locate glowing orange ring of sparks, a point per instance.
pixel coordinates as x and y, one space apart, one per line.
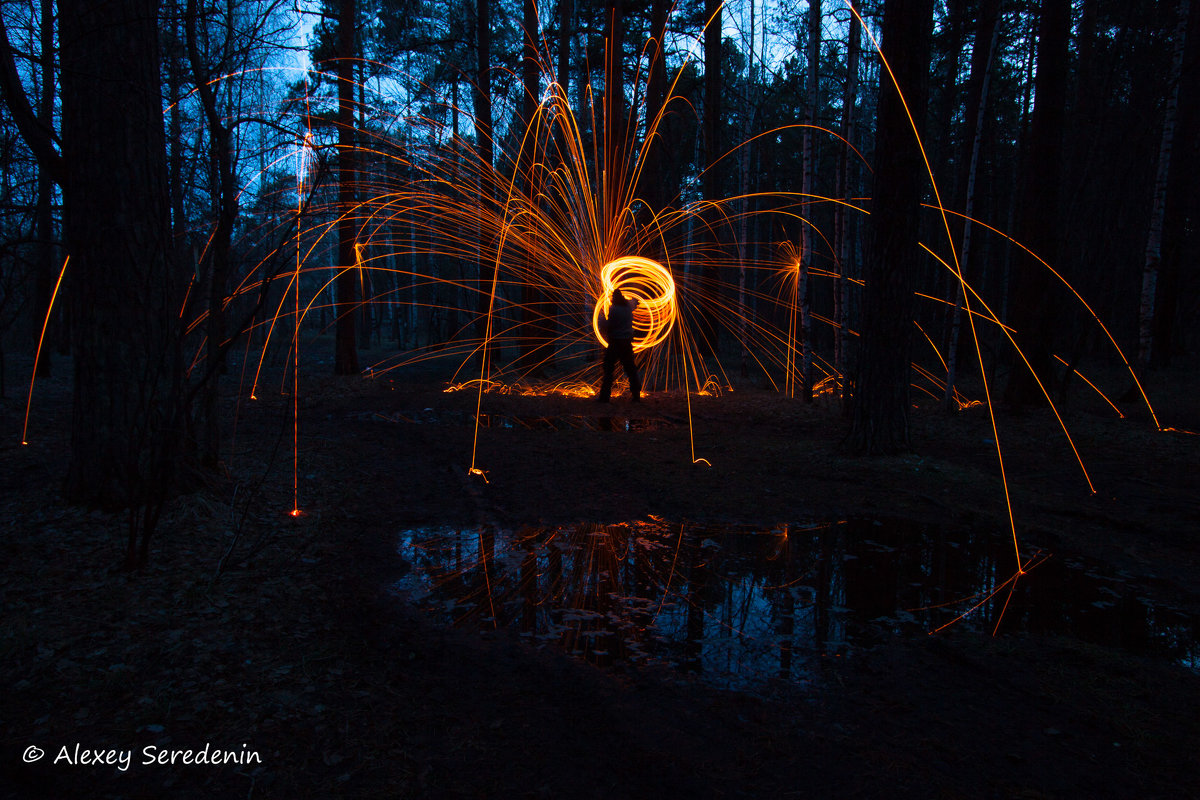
651 283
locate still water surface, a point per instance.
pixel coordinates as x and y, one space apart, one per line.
740 605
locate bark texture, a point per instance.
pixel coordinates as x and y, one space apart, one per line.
123 299
1031 288
881 402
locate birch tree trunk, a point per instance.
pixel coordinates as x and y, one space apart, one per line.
485 149
346 346
981 75
843 228
614 118
1158 211
806 237
532 298
709 337
745 165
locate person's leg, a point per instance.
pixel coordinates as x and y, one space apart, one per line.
610 363
629 364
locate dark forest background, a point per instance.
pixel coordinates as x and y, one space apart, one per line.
160 146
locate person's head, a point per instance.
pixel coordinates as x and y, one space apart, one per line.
618 298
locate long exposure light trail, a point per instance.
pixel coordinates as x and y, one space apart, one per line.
1049 401
646 281
500 270
1095 317
957 271
300 174
37 355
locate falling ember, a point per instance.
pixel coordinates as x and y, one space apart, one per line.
652 285
38 353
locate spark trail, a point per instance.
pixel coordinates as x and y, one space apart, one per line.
508 265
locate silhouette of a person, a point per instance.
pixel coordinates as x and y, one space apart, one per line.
618 329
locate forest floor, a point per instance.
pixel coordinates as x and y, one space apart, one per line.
279 637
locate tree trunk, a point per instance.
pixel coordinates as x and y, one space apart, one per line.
369 308
44 213
708 339
809 161
533 298
126 415
565 15
847 181
1028 59
654 189
174 70
1030 291
614 122
221 156
1154 239
977 95
1180 235
745 165
881 398
346 345
485 148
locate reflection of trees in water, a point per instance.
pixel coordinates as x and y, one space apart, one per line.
718 601
737 605
707 600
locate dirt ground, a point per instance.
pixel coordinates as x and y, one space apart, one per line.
260 634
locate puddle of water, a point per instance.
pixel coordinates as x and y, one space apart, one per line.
569 422
740 606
